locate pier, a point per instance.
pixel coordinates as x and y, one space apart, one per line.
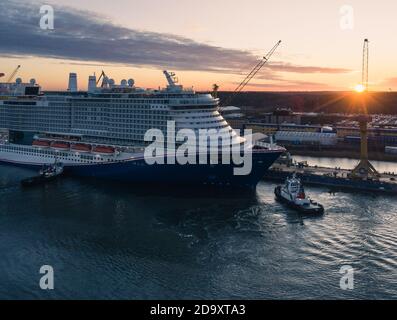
335 178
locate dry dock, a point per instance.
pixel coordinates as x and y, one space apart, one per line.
334 178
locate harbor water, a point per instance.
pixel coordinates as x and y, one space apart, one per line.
111 241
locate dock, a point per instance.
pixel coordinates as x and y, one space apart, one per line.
335 178
364 177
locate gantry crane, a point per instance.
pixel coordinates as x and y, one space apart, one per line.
252 74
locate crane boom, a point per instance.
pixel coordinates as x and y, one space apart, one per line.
364 80
253 73
102 76
13 74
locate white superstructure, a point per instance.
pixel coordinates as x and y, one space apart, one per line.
104 124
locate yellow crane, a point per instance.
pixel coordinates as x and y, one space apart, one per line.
364 170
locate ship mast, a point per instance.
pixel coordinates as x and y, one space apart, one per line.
171 78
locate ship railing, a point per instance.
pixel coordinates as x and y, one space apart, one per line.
189 101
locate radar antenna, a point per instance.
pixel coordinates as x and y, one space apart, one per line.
171 78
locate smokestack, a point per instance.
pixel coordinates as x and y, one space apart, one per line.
72 82
91 83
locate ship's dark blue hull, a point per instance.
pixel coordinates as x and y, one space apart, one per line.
139 172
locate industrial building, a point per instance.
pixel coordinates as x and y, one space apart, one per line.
306 138
297 134
391 150
282 115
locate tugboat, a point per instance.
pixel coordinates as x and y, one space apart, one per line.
293 194
47 173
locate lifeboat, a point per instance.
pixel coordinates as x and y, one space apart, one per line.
80 147
104 150
41 143
60 145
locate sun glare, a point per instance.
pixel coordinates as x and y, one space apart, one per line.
359 88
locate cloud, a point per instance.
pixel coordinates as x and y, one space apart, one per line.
83 36
288 67
390 82
291 86
86 37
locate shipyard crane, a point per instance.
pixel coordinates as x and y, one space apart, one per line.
253 73
102 76
364 169
13 74
364 81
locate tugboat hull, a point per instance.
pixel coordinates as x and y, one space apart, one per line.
318 209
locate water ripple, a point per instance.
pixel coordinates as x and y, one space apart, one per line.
106 241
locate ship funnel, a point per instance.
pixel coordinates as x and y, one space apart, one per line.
72 82
91 84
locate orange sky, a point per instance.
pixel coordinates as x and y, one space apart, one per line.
316 53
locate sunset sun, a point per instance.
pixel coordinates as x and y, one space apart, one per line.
359 88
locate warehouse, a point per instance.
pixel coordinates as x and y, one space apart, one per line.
306 138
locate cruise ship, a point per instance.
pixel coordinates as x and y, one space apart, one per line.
101 132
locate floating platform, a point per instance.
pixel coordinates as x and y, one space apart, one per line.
333 178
